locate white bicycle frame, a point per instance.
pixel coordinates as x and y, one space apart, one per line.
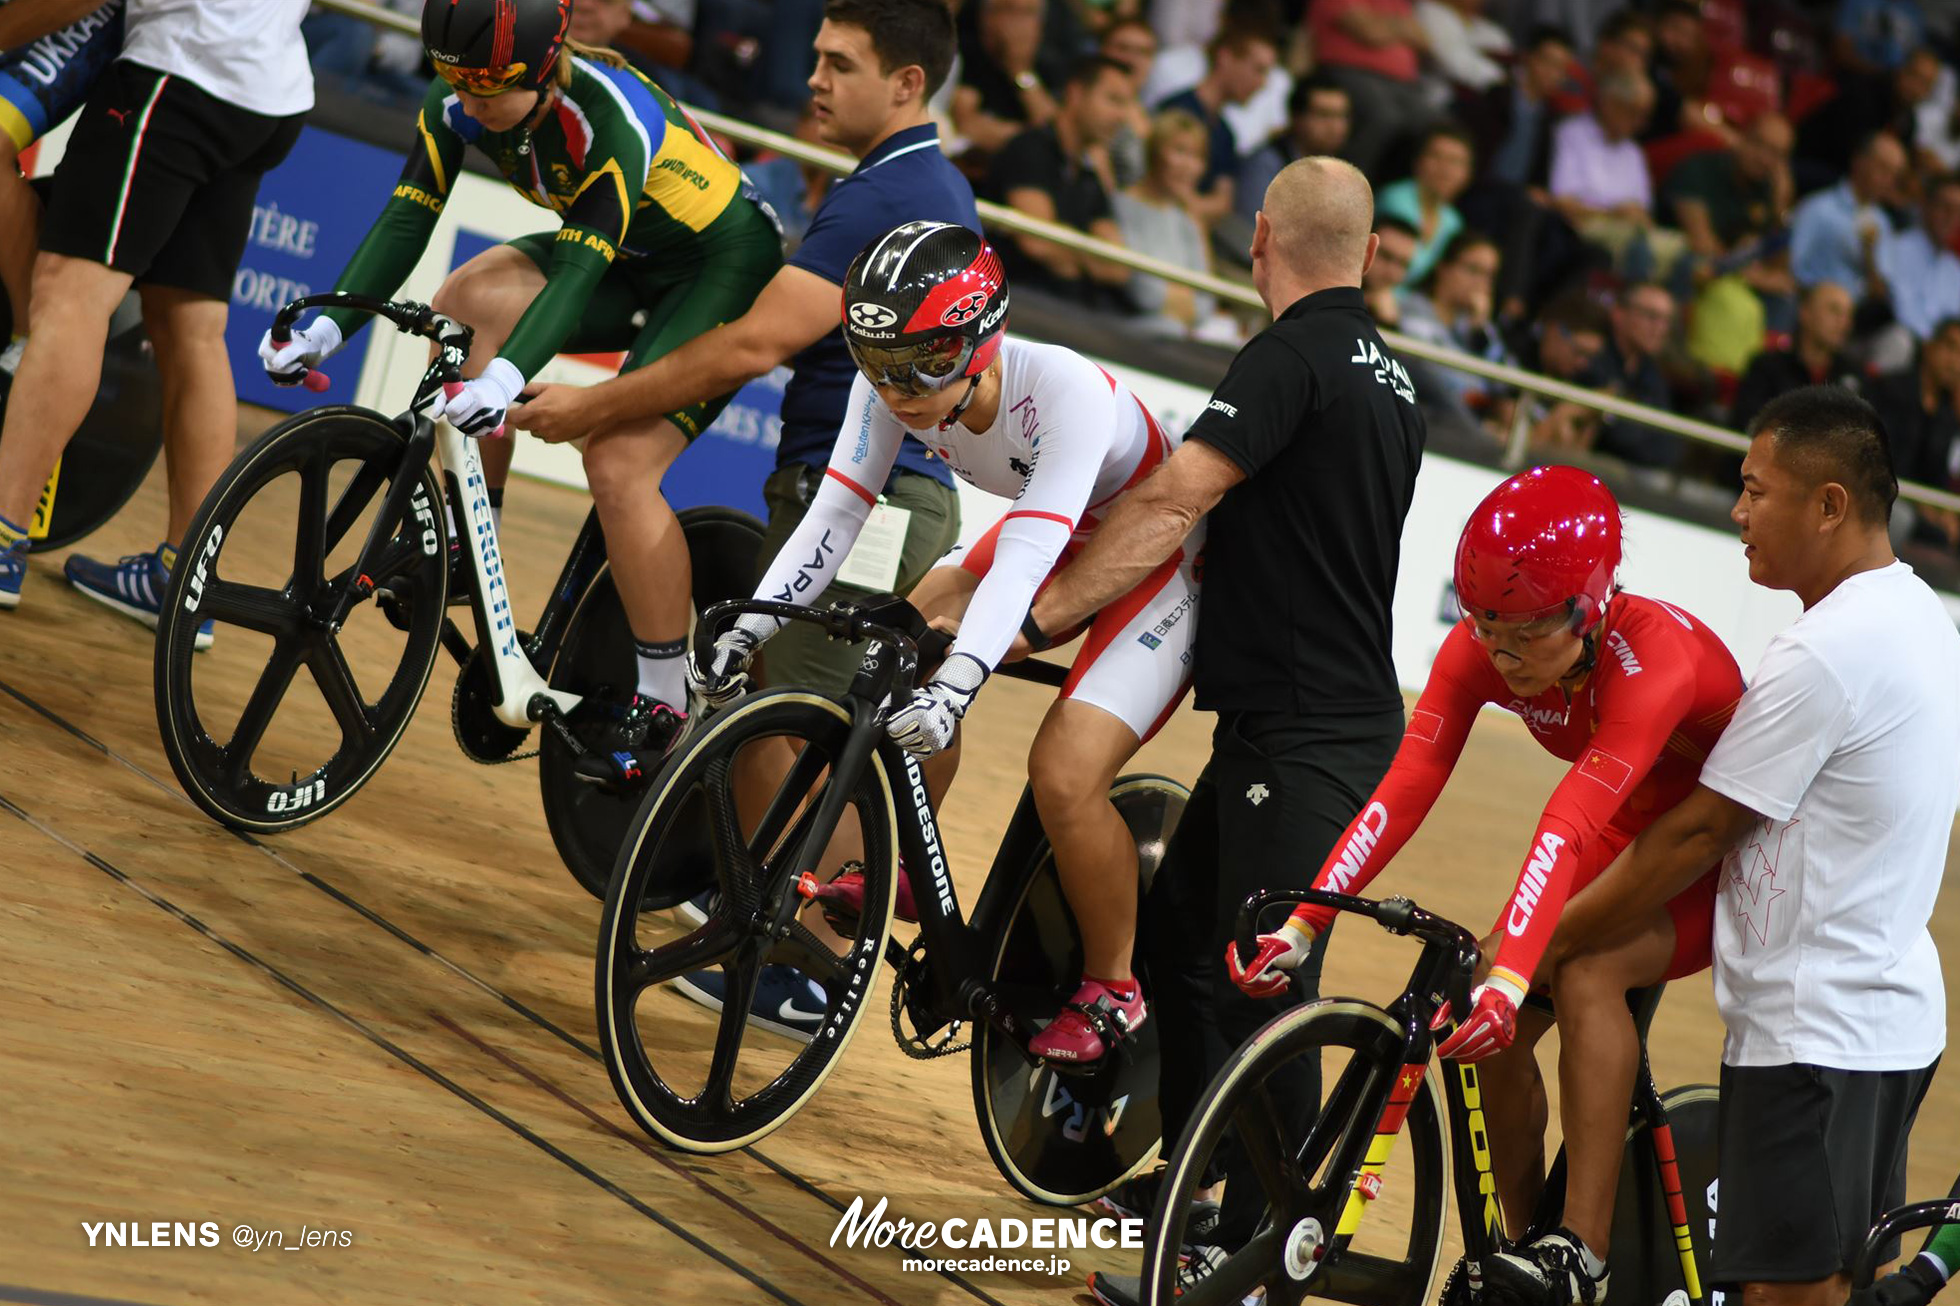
518 683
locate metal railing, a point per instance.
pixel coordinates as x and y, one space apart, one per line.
1006 219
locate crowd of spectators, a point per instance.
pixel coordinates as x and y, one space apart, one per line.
1689 203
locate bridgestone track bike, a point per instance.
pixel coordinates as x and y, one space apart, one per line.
115 446
1321 1177
709 1084
366 581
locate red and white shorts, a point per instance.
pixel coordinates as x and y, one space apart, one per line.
1135 662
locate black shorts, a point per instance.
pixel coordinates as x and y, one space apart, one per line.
159 178
1810 1157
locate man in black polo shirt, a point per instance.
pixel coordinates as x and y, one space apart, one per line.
1306 459
1052 173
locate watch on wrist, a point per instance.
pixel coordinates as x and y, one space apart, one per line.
1027 81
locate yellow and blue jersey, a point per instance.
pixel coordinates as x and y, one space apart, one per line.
44 81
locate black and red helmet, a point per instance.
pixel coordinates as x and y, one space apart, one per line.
925 305
487 47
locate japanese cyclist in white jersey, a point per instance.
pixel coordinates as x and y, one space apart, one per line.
925 312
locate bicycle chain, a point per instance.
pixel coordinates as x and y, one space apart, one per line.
456 732
911 1045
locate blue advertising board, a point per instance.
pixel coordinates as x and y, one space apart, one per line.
311 213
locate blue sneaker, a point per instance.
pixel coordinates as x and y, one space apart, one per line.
786 1002
13 571
132 586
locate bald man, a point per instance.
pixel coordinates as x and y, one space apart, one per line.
1306 461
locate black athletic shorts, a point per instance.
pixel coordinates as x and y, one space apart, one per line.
1810 1157
159 178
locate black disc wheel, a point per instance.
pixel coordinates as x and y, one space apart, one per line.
116 444
289 713
596 661
1338 1212
1647 1256
1062 1138
686 1059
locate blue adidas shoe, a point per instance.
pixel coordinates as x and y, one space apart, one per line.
786 1001
13 572
133 586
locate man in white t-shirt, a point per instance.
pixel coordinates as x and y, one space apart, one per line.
1830 798
155 190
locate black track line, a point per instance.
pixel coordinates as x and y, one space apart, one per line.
543 1022
409 1059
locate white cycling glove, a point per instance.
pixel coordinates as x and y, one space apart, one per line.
289 363
1265 976
726 676
478 407
925 725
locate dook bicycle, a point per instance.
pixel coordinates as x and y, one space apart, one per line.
1335 1225
359 601
706 1084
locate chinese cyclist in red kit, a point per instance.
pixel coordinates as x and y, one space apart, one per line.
1633 693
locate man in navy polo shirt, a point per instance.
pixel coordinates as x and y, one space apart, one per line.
878 63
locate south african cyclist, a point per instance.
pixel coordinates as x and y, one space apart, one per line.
660 239
924 315
1633 693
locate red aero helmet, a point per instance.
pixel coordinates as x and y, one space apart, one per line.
1544 539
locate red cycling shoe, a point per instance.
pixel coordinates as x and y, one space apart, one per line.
843 898
1092 1022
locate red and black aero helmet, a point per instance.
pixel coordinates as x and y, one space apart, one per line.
925 305
1546 541
490 46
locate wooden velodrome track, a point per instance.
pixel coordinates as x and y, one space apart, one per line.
382 1023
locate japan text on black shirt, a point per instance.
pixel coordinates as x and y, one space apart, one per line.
1301 556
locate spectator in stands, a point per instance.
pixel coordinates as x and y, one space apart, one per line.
1642 319
1726 202
792 189
1510 127
1382 283
366 60
776 37
1863 106
1000 93
1467 51
1427 200
1319 118
1682 65
1922 277
1566 344
1599 179
1453 307
1374 48
1920 411
1050 172
1236 64
1132 43
1626 44
1156 218
1835 233
1876 36
1815 357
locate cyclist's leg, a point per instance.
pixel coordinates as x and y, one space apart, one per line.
1516 1111
489 293
20 230
59 373
1599 1059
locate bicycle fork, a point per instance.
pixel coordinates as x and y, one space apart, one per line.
1368 1179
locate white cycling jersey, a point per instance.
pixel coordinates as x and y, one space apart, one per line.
1067 440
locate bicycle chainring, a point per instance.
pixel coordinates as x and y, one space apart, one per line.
473 718
905 981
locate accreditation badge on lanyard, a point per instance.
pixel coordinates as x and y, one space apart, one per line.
874 560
